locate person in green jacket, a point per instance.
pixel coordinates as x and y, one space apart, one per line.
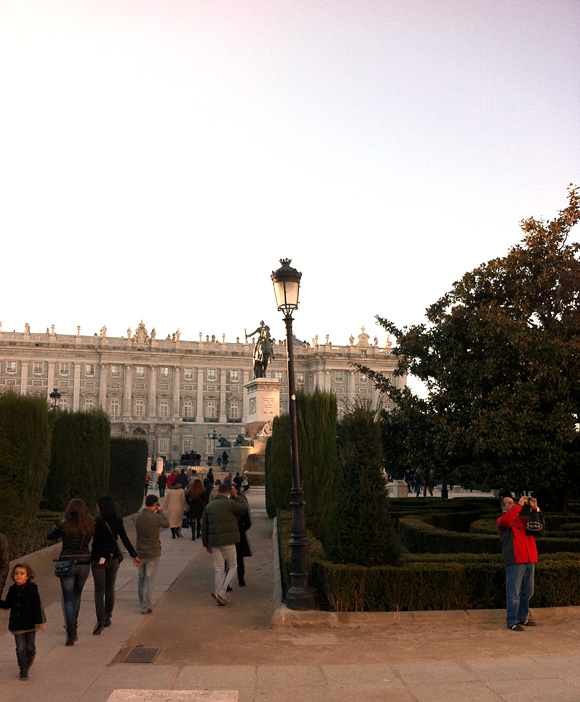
148 547
220 534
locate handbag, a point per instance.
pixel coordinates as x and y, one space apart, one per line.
119 557
185 521
65 569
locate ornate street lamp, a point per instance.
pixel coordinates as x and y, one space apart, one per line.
301 595
54 399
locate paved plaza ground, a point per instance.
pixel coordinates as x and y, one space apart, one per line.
406 657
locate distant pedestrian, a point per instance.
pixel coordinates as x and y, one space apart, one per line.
76 531
183 478
195 498
171 477
106 558
26 615
148 524
210 476
220 533
243 549
162 483
238 482
147 481
176 507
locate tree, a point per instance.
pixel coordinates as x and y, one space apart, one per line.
127 474
361 529
500 357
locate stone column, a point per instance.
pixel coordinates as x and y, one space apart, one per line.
23 377
175 399
152 399
77 388
352 385
127 393
223 413
245 400
50 380
103 386
199 408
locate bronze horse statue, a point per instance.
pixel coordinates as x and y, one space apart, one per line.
263 350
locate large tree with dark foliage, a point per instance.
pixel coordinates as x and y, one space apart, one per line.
500 357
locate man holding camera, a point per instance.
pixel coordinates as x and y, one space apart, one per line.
519 556
148 524
220 534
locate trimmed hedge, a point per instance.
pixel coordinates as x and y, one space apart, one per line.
80 458
25 435
421 537
430 582
127 476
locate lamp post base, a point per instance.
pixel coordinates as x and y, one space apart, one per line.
302 598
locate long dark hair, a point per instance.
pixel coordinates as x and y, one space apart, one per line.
107 508
196 489
77 518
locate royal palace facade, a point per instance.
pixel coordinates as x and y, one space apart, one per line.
179 395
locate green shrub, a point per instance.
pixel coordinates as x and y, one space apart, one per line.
25 435
361 530
278 465
127 475
80 458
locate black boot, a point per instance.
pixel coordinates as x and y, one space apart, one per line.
71 636
198 530
173 532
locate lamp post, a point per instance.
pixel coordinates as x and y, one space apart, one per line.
301 595
213 438
54 399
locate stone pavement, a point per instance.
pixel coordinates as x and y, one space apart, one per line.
232 652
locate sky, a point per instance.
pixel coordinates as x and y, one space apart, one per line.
157 159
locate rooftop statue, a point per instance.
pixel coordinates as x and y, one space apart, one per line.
263 350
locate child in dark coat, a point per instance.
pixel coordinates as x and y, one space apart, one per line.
26 615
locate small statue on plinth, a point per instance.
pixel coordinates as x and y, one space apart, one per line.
263 350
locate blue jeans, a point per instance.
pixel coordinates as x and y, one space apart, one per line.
146 576
25 649
72 588
519 589
105 576
225 565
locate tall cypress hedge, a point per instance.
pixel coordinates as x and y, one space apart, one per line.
362 531
127 478
24 459
80 458
316 419
317 415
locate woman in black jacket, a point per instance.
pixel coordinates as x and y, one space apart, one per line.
76 531
106 558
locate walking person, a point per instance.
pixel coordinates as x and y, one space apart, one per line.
148 524
162 483
76 531
195 498
220 533
26 615
520 556
106 558
175 506
243 549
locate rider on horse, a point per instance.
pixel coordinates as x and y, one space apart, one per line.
263 350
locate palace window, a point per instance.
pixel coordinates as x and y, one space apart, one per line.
64 368
115 370
234 409
139 407
164 372
338 376
163 445
188 408
187 445
188 373
89 369
279 376
234 375
64 403
211 374
11 366
299 377
37 368
140 371
89 404
114 407
363 379
164 408
211 409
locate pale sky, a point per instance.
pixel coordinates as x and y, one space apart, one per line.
158 158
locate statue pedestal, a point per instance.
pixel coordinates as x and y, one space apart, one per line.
263 403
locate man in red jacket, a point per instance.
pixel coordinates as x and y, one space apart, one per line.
519 556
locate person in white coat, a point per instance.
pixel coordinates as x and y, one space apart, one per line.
174 507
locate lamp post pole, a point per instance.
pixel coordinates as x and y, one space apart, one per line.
301 595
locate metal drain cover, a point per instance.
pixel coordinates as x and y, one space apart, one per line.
139 654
